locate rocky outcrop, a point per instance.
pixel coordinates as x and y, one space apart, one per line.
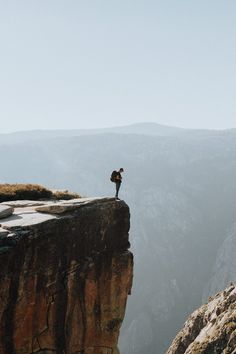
65 273
210 329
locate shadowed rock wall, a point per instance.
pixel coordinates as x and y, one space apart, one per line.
64 280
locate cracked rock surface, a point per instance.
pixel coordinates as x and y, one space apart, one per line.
65 274
211 329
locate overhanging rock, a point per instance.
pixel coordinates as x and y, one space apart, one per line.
64 277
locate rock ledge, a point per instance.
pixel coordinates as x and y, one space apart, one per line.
65 274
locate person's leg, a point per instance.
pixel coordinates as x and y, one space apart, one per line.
117 188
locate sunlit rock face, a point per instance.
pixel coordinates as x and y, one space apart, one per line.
65 274
211 329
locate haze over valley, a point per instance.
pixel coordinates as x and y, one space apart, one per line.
180 187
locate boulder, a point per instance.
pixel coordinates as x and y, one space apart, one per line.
5 211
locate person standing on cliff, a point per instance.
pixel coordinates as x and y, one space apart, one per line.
117 179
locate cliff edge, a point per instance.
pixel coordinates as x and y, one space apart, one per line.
65 274
211 329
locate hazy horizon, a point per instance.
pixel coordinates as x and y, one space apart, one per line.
82 65
111 127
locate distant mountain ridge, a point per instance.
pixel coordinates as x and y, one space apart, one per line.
139 128
149 129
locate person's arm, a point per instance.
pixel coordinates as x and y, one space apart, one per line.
118 177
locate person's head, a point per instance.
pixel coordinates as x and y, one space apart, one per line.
121 170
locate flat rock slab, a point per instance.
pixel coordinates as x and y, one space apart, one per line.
56 208
25 217
69 205
23 203
5 211
27 213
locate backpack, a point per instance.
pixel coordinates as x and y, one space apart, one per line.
113 176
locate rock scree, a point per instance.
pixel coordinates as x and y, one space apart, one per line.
65 275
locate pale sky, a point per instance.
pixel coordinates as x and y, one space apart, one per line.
100 63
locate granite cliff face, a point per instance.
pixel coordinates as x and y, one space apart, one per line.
211 329
65 273
223 270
